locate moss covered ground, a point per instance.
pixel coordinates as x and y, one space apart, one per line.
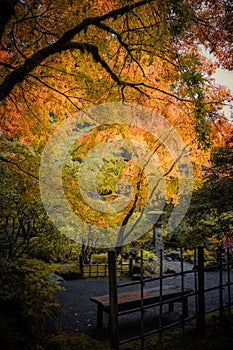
216 337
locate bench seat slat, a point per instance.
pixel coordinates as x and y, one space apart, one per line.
150 295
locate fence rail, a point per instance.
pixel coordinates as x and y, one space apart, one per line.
91 270
199 296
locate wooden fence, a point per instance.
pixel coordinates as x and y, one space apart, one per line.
199 296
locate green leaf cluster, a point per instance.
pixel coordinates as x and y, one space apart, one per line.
192 82
109 174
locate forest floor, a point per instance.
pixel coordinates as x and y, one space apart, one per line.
216 336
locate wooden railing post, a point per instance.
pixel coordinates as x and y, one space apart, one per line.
81 265
221 309
201 291
113 300
130 267
229 282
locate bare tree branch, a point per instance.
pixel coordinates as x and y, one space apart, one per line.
56 90
122 43
136 86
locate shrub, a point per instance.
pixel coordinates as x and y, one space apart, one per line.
67 271
51 248
149 256
100 258
210 257
27 292
188 255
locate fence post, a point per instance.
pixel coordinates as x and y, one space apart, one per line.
113 316
220 284
201 291
122 264
229 282
142 298
81 265
130 267
105 269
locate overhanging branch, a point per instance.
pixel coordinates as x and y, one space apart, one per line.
19 74
94 51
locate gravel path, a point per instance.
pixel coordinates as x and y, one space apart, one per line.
79 313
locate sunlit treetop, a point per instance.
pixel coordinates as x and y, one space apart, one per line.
57 57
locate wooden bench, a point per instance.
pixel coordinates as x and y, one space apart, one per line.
151 296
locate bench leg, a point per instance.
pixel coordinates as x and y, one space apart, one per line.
99 316
171 306
185 307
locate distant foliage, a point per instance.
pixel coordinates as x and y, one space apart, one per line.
210 216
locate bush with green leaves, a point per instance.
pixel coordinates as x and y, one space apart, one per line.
210 214
27 293
100 258
53 247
